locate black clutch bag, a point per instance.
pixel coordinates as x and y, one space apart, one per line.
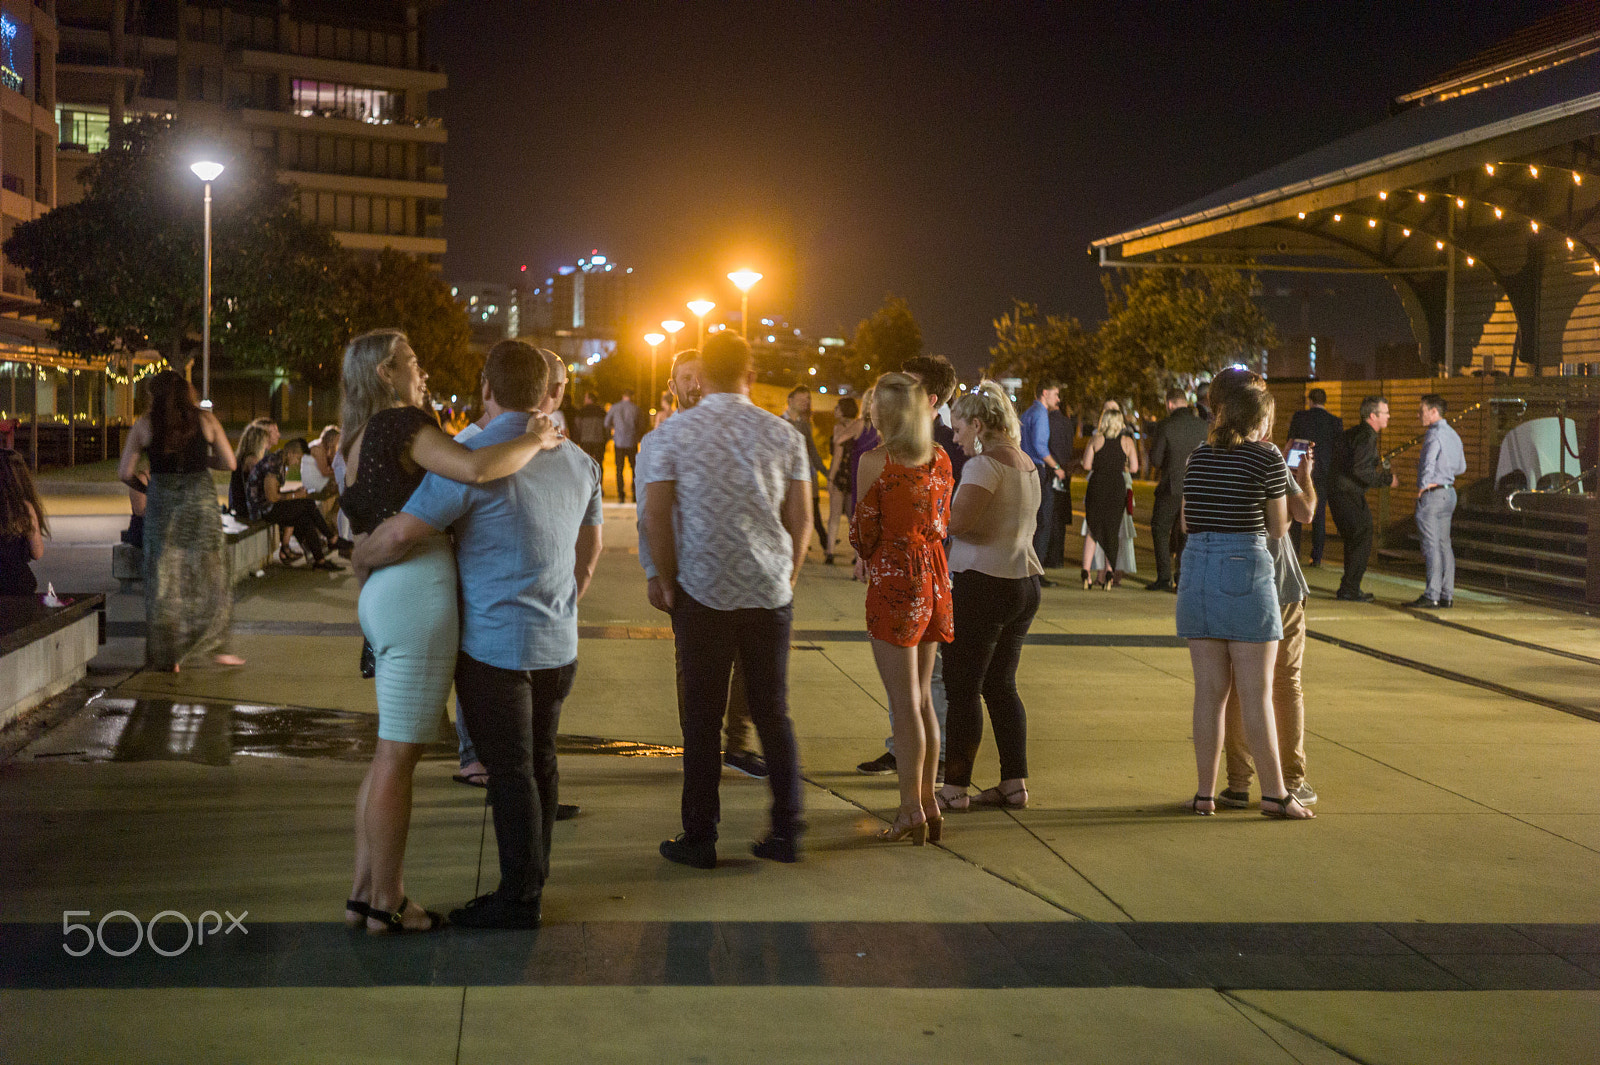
369 661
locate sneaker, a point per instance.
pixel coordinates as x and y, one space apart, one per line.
1305 793
749 763
697 854
880 765
492 911
776 848
1239 800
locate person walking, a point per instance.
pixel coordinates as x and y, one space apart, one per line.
1233 503
1360 469
847 426
1326 432
1172 441
1035 427
1063 448
23 525
625 422
1109 455
188 599
527 546
737 754
1442 460
798 414
996 595
589 428
728 524
902 517
407 606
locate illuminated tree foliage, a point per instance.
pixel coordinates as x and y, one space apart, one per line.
397 290
1055 349
883 342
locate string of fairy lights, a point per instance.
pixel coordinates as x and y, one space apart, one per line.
112 377
1466 203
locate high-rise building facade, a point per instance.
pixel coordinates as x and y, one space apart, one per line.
333 97
27 165
583 311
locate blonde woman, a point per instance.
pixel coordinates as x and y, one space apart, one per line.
902 517
407 610
996 575
1109 455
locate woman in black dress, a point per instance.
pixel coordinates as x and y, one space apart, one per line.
1109 455
23 526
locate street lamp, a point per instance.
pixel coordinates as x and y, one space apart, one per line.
672 326
700 308
654 340
744 281
206 172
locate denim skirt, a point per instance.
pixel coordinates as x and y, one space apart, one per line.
1226 589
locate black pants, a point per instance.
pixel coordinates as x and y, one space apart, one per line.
512 716
626 456
1164 534
1354 518
1060 521
707 641
305 518
1319 526
992 619
1046 517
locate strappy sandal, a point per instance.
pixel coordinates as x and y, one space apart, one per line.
1009 799
288 555
1193 805
952 802
394 923
361 910
1282 811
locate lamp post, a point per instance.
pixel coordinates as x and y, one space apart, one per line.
700 308
744 281
206 172
654 340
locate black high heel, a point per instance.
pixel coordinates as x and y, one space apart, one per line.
1088 582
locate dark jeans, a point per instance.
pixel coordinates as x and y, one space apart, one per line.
1354 518
1060 522
512 716
1046 516
626 456
737 730
305 518
707 641
992 618
1164 533
1319 526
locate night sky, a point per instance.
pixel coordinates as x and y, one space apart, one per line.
954 154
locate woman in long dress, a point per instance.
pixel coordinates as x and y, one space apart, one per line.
188 597
1109 454
407 610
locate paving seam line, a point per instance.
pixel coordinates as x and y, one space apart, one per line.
1487 635
1232 997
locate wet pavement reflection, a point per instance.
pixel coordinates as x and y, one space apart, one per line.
156 730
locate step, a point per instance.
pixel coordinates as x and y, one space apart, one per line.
1476 565
1462 544
1577 524
1578 539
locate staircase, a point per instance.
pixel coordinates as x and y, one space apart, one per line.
1541 550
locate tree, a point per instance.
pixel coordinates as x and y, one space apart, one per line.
883 342
1169 326
393 289
121 269
1057 349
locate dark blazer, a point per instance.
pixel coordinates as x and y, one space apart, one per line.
945 437
1171 443
1360 469
1063 435
1324 429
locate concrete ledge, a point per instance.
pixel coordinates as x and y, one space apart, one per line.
245 552
44 650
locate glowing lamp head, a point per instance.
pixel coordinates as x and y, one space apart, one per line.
701 308
744 280
672 325
207 171
654 338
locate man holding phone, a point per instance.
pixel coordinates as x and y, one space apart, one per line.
1325 431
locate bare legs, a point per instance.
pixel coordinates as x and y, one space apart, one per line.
1088 555
907 674
835 514
383 820
1246 667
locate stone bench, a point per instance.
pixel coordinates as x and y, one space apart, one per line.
246 551
44 650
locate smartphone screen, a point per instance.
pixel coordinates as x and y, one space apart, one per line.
1297 453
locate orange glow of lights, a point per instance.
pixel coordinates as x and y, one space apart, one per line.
1372 223
1439 244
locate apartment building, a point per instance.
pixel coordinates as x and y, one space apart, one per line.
27 164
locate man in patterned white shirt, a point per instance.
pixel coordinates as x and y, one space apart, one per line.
728 516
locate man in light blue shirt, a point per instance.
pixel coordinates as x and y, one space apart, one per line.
1442 460
526 548
1036 445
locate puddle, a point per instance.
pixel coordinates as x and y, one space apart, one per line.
163 730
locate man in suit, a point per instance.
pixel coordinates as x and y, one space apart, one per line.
1063 438
1359 470
1036 445
1171 443
1324 429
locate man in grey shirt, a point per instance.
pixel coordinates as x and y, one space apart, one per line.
1442 460
625 423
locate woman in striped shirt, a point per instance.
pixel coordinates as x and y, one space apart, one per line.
1234 498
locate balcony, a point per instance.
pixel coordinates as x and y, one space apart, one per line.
342 70
424 130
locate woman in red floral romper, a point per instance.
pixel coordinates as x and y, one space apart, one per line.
902 512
